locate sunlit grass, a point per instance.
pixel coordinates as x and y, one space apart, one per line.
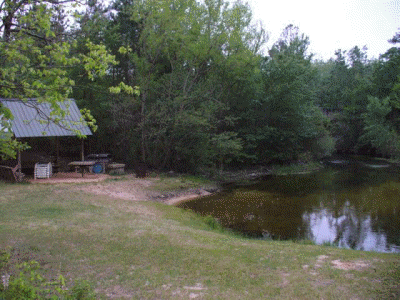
147 250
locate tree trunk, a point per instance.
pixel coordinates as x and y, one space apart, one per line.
143 117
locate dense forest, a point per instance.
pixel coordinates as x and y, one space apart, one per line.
186 85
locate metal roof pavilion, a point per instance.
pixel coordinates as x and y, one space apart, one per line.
31 119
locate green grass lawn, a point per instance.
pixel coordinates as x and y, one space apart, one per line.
147 250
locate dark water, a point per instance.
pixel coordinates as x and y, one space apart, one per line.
352 204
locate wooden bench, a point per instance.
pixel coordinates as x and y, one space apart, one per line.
82 166
116 169
10 174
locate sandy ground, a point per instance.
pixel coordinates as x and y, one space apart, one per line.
136 189
70 177
182 198
131 188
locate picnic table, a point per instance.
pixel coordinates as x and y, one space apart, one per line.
82 165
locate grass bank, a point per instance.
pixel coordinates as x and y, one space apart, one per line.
148 250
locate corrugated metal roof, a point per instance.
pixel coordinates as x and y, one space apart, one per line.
30 119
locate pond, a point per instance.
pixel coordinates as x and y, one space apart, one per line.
351 204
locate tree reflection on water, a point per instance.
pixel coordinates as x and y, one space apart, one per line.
354 207
350 230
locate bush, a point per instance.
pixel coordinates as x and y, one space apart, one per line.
323 146
30 285
212 223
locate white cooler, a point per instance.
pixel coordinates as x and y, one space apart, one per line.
43 170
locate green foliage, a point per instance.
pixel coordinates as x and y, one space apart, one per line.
212 223
381 124
82 290
285 121
344 85
122 87
8 145
386 76
4 257
323 146
29 284
36 59
225 146
190 60
378 130
89 119
207 96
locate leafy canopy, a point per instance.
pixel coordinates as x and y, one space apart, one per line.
36 58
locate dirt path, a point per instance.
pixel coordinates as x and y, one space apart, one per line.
135 189
70 177
127 187
132 189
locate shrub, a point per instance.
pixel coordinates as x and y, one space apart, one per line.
30 285
212 223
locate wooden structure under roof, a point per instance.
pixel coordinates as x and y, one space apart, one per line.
33 119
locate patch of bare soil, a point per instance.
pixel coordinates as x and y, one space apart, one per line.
321 259
192 292
136 189
186 196
285 281
69 177
118 292
346 265
133 189
337 264
127 187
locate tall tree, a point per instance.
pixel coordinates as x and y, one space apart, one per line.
286 121
343 95
189 60
381 118
36 57
379 131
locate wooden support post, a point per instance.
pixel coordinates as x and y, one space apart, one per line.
19 166
57 151
82 150
19 160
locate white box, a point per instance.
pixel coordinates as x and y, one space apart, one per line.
43 170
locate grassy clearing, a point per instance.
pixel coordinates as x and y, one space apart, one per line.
148 250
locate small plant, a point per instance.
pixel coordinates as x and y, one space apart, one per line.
330 244
4 258
153 175
82 290
212 223
30 285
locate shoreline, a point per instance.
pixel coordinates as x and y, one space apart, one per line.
180 197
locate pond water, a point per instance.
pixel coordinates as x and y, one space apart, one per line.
351 204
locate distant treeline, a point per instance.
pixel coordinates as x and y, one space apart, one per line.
209 97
